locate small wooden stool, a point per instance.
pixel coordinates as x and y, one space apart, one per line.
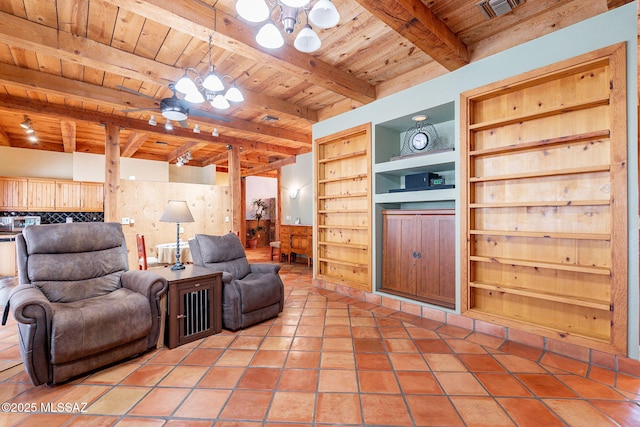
275 249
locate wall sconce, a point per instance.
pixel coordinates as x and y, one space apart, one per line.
293 193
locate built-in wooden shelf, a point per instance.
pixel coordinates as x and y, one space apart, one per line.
557 203
540 174
541 113
543 234
343 178
343 157
547 296
548 265
563 140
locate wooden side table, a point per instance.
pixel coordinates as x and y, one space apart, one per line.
195 303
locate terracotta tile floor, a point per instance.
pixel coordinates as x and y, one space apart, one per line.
331 360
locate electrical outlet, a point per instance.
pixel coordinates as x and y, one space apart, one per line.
125 221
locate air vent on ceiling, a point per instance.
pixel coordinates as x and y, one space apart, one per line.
492 8
270 118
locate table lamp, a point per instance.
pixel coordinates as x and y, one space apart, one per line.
177 211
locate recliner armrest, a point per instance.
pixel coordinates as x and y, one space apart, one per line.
227 277
23 299
264 268
145 282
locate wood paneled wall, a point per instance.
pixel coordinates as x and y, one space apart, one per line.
145 201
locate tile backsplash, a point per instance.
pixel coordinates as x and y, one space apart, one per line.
60 217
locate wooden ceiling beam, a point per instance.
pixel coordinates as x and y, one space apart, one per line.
5 141
200 21
80 91
12 103
68 130
89 53
135 141
269 166
417 23
222 157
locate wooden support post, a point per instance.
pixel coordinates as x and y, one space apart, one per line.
278 218
112 172
237 221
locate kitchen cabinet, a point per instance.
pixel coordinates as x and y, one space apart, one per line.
418 255
67 196
41 194
13 194
343 214
91 196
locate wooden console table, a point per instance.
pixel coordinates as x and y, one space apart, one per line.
296 239
195 303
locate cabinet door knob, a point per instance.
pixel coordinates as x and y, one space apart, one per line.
417 255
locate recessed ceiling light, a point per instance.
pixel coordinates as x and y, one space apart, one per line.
419 118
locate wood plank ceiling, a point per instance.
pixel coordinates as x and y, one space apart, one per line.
73 66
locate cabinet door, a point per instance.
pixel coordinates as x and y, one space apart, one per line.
41 194
92 197
399 253
13 194
436 272
67 196
301 240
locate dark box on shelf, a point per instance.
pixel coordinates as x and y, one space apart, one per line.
419 181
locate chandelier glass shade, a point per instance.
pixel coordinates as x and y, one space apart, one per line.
210 87
323 14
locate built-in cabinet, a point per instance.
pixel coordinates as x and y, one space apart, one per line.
415 225
343 208
544 162
418 255
49 195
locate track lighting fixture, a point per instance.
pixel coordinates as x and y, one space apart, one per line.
196 128
323 14
26 124
215 132
168 125
152 121
28 129
184 159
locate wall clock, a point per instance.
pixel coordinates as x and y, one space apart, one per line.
420 138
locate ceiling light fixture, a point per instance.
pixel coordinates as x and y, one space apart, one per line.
323 14
209 87
168 125
184 159
196 128
215 132
26 124
152 121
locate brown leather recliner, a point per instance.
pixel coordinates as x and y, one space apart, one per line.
78 307
251 293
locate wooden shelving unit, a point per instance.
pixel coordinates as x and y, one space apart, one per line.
544 189
343 208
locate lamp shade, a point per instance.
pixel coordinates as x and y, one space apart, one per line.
220 102
234 94
307 40
269 36
295 3
324 14
177 211
253 10
186 85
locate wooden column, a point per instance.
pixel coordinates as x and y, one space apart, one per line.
278 218
237 221
112 172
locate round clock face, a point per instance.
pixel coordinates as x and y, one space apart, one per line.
420 140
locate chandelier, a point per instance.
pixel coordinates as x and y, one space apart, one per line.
323 14
209 87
